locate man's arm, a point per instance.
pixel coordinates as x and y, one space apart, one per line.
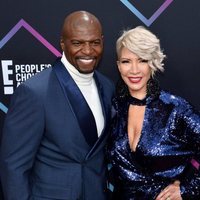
21 137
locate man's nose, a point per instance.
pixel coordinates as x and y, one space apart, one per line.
87 48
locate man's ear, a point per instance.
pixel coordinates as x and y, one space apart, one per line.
62 43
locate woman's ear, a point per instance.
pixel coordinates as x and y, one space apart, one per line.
118 64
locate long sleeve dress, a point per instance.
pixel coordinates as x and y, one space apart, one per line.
170 139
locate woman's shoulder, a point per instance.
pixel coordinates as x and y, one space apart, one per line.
177 101
169 97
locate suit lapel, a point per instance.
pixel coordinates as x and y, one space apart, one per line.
102 139
102 99
79 105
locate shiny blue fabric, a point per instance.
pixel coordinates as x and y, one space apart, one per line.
170 137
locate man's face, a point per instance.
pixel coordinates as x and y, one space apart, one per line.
83 46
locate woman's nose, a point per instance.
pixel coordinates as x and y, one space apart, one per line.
134 68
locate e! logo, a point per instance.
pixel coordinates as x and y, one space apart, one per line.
8 84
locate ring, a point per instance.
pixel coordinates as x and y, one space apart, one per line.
168 198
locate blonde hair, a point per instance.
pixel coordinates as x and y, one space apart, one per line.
144 44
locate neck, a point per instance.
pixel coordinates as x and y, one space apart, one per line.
138 95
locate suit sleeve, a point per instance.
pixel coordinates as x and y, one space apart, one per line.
190 187
23 129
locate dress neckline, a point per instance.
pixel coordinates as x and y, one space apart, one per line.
138 102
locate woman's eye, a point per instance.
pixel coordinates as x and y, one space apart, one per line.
142 60
125 61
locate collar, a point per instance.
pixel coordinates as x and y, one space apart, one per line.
79 78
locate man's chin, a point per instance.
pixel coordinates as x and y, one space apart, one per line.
86 71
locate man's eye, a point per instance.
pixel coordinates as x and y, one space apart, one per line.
96 43
77 44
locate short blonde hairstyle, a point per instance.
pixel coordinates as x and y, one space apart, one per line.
144 44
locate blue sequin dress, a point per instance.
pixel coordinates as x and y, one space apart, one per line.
170 138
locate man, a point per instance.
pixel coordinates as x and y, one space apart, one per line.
57 124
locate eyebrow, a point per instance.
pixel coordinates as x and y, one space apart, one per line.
81 40
125 58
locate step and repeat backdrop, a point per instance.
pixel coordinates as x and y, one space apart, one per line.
30 33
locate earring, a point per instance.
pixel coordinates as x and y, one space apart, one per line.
153 88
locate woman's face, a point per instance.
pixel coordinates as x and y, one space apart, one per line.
135 72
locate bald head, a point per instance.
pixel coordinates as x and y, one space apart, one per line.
82 41
80 20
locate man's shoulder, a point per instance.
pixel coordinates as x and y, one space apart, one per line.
43 76
38 82
40 77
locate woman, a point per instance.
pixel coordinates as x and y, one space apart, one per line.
154 134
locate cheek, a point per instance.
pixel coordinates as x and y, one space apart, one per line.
147 71
123 71
98 51
120 68
125 79
123 74
71 52
149 74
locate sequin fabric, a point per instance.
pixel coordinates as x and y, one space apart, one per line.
170 138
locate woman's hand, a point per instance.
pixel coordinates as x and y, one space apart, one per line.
171 192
